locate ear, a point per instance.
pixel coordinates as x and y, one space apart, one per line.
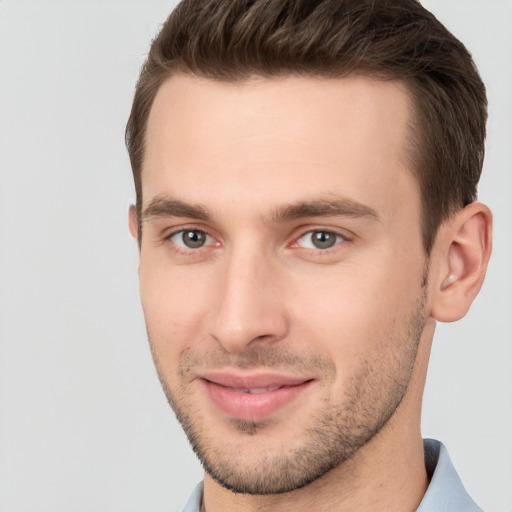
133 223
462 251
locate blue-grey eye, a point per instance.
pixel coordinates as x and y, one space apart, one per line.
190 239
319 240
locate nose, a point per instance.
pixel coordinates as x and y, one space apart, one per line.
251 304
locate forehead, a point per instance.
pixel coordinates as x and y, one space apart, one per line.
277 139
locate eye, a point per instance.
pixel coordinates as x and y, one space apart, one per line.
319 240
190 239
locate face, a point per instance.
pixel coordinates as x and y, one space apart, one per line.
282 270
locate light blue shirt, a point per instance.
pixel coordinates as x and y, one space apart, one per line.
444 494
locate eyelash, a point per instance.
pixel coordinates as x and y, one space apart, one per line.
339 238
183 250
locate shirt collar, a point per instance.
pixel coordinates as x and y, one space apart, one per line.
445 492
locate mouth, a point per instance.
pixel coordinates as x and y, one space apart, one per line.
256 391
253 397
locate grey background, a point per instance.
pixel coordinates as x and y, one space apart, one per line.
84 425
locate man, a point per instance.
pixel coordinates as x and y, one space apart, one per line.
306 180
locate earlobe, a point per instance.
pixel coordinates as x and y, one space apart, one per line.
463 250
133 223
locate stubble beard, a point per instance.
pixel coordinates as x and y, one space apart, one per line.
339 428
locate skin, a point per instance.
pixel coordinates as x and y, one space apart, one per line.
258 167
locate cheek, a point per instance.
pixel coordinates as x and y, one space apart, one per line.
343 323
174 303
352 314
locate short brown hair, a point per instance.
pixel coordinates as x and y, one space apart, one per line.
233 40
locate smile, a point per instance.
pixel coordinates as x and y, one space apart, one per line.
255 397
255 390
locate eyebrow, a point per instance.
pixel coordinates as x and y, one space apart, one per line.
339 206
168 207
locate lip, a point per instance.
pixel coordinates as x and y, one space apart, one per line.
253 397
